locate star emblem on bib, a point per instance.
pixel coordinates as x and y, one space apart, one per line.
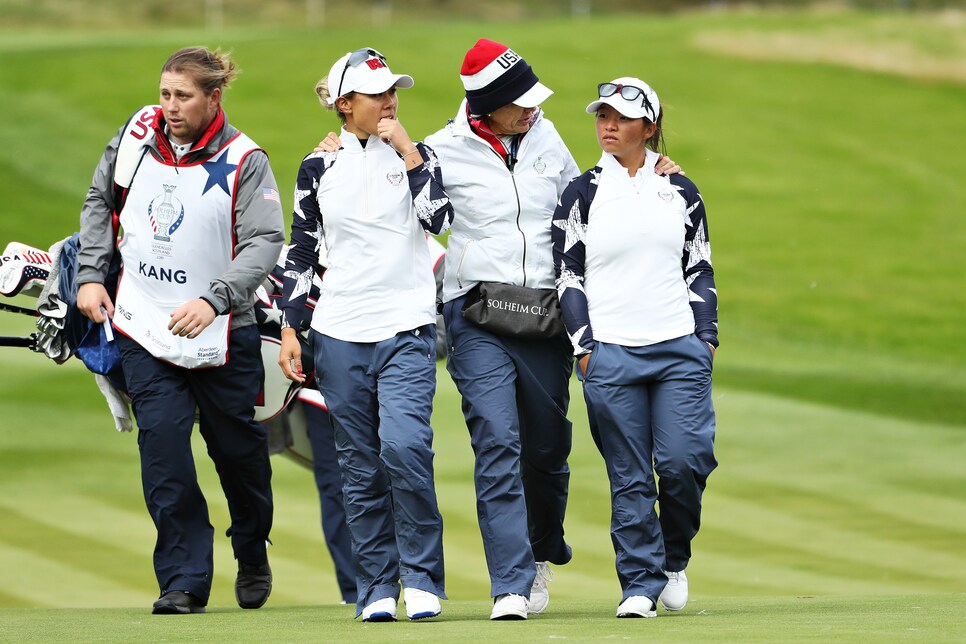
218 171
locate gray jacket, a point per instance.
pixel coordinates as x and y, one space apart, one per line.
259 225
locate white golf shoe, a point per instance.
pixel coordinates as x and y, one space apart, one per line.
637 606
381 610
421 604
509 606
539 592
675 594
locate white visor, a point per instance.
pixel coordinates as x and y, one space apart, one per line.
643 101
364 71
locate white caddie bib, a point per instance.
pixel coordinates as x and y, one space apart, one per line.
178 224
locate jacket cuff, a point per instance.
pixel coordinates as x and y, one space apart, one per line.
709 338
211 304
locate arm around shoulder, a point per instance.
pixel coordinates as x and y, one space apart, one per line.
568 233
433 206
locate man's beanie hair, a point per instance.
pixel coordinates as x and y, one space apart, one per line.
493 76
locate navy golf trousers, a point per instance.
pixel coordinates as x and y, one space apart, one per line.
652 404
515 397
165 398
380 398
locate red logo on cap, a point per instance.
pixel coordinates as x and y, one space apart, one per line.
375 63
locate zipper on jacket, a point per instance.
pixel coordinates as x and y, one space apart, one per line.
365 182
510 165
523 238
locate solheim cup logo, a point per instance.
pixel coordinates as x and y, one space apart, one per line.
167 215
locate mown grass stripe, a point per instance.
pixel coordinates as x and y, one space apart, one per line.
42 576
845 569
13 597
70 551
914 401
749 522
822 508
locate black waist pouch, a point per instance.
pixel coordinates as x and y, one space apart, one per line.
514 311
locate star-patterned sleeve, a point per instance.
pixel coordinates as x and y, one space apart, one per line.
433 207
303 253
568 233
696 262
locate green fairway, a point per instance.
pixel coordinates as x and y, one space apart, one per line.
833 175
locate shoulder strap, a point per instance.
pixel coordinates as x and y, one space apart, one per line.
130 152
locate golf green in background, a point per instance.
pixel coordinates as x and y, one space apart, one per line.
827 147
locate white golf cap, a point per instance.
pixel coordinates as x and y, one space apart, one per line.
364 71
643 101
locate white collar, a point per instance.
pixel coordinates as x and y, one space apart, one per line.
610 163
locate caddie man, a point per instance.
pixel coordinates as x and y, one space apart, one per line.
202 227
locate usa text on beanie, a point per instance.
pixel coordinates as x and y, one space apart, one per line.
494 75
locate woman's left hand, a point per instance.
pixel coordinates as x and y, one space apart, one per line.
710 346
666 165
330 143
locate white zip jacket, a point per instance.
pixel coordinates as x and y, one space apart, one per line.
633 258
371 213
501 224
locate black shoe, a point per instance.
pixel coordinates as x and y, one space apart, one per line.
253 585
178 602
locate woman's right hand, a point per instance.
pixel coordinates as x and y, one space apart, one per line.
290 356
330 143
392 132
582 362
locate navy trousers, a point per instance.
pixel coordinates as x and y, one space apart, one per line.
515 397
165 398
649 405
328 480
380 397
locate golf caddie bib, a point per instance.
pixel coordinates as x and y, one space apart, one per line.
178 223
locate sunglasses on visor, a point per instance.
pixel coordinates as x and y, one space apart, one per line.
628 93
356 57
